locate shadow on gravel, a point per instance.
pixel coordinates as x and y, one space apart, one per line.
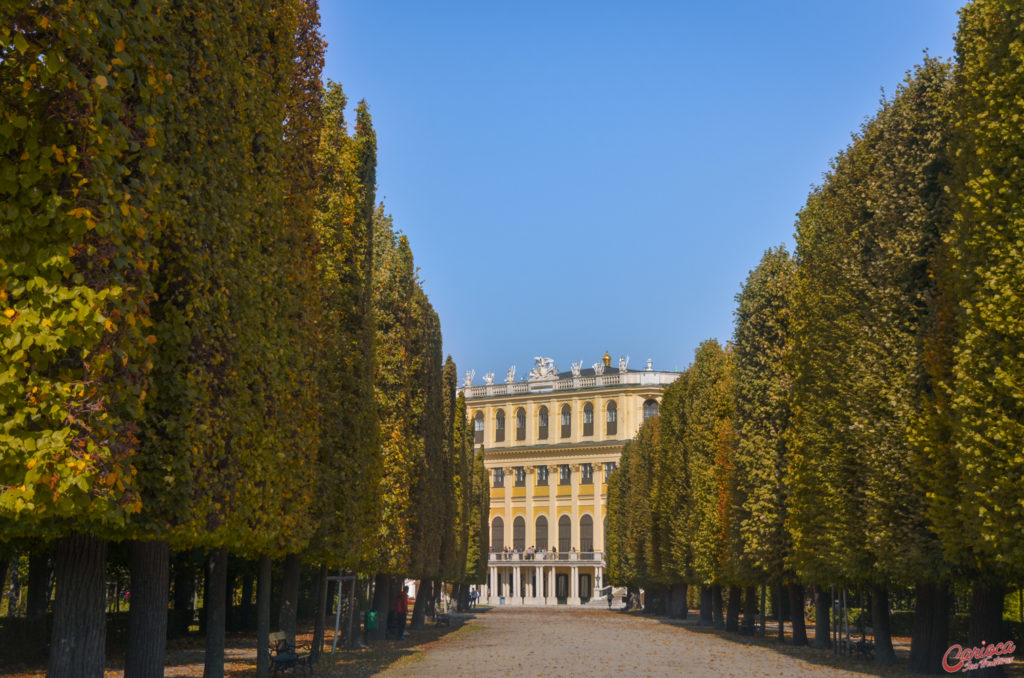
806 653
380 655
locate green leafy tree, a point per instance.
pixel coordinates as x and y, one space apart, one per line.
760 346
349 465
866 243
80 184
977 493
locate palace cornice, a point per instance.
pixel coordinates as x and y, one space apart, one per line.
629 381
495 456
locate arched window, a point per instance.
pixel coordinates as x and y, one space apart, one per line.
564 534
499 426
478 427
541 532
519 533
520 424
498 534
566 421
586 534
588 419
650 409
611 418
542 423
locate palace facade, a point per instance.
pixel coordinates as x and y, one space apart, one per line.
550 443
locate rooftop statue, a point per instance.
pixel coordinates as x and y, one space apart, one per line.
623 363
469 378
577 367
489 378
544 368
510 376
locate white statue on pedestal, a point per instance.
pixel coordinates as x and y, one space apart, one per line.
489 378
599 368
510 376
623 362
544 368
469 378
577 367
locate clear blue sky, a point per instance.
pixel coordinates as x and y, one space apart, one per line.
576 177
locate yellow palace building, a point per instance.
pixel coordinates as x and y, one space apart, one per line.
550 443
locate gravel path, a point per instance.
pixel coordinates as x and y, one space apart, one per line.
591 642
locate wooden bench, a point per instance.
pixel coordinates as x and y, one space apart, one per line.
285 656
866 648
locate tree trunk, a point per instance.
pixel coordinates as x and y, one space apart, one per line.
147 612
716 606
246 609
732 618
184 591
382 604
263 617
749 611
986 622
288 616
706 618
822 610
884 653
796 613
79 612
430 591
230 611
930 637
215 606
650 600
764 611
14 592
321 613
40 568
419 610
781 633
3 576
463 598
677 604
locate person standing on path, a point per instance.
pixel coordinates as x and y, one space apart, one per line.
402 611
609 597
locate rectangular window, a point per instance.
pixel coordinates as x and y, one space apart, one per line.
499 477
609 468
542 475
520 476
564 475
586 474
542 424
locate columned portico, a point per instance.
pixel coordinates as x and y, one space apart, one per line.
532 580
